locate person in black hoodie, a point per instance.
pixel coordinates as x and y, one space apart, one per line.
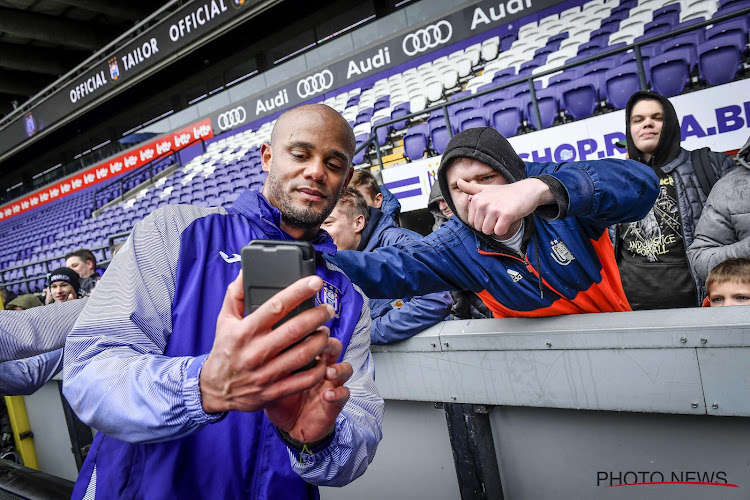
529 238
652 253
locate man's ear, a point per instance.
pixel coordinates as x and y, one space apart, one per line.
359 224
265 156
378 200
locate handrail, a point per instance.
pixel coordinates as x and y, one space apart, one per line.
635 46
17 481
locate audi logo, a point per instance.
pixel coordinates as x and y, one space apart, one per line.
232 118
315 83
427 38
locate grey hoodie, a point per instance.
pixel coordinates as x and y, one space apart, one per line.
723 231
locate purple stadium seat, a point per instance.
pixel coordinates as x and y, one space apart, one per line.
498 95
438 120
398 111
471 118
510 71
648 28
468 104
507 41
382 132
364 116
459 95
670 72
415 142
440 136
668 12
566 76
547 100
621 82
686 40
579 97
558 38
506 116
382 102
731 6
720 58
739 25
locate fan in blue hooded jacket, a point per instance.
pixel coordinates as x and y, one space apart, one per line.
530 239
355 226
191 398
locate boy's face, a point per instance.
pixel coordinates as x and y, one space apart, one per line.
61 291
729 293
344 228
473 172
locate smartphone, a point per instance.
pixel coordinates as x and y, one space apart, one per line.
269 266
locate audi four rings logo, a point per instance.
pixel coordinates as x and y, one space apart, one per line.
232 118
315 83
427 38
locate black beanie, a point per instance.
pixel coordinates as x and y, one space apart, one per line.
484 144
65 274
669 140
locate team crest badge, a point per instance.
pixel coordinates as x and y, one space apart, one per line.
30 125
560 253
114 69
331 295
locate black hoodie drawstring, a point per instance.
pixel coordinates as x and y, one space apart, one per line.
538 266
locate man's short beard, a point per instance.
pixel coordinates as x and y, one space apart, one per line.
293 215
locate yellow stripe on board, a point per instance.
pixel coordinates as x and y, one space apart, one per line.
19 422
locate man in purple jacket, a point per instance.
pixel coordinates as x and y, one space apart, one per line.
194 400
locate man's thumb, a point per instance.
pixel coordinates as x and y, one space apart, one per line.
468 187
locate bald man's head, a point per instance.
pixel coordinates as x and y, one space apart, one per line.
309 162
332 117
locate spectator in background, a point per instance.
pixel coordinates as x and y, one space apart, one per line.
62 285
652 253
466 304
355 226
83 262
23 302
6 295
37 330
530 239
26 376
728 284
724 229
375 195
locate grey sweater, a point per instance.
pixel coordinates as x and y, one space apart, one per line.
723 231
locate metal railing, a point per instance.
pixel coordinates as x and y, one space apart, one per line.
635 46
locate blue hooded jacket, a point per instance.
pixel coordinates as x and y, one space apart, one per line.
399 319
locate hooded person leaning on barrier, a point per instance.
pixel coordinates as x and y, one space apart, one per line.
529 238
723 231
652 252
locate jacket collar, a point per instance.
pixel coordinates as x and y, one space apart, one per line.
376 224
681 158
254 206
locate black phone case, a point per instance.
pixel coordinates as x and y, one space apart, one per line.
269 266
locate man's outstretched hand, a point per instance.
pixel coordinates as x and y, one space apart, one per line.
249 368
493 208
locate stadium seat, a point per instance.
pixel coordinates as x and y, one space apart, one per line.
670 71
621 82
733 5
686 40
579 96
740 25
506 116
415 142
547 101
471 118
720 58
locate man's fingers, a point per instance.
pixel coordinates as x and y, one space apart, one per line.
339 373
278 306
332 351
278 363
468 187
337 396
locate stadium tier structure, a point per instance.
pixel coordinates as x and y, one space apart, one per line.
36 241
